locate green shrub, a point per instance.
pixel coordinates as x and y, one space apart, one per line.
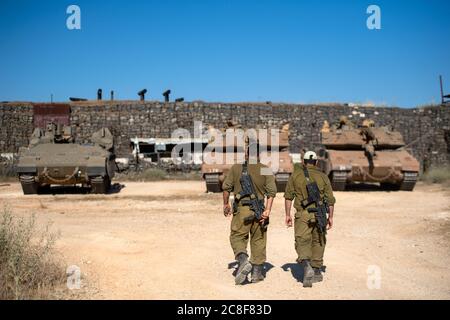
153 174
437 175
186 176
29 268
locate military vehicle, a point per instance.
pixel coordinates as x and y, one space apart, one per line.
366 153
54 158
221 154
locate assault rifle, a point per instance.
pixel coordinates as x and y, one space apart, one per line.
247 190
321 206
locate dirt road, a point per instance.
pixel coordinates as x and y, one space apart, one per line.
169 240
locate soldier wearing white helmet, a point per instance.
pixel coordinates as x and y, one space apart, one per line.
309 228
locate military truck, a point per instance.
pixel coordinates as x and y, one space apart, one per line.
221 154
366 153
53 157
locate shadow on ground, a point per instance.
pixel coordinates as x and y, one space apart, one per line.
365 187
115 188
234 265
297 270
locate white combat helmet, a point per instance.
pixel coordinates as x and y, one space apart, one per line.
310 155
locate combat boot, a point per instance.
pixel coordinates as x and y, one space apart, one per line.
308 274
257 273
317 275
244 268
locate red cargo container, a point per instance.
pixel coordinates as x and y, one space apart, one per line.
58 113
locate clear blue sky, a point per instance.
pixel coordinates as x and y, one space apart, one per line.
227 50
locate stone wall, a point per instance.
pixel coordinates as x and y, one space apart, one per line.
16 126
427 129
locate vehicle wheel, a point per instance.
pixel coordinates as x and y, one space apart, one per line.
29 184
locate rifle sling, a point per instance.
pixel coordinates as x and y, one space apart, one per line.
239 196
306 173
308 201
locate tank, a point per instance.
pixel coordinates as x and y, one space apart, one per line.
222 156
53 157
366 153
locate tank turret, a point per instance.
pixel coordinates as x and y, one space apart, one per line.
227 147
366 153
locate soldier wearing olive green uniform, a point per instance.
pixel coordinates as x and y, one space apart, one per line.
308 243
264 185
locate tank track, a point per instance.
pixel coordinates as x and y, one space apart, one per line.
281 182
213 183
100 185
29 184
338 180
409 181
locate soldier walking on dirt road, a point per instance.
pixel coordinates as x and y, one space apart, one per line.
313 196
250 214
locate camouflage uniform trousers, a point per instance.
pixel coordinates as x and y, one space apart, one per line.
307 239
241 232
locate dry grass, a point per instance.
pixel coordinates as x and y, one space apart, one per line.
7 172
438 175
194 175
29 267
150 174
155 174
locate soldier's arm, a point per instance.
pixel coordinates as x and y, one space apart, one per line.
270 189
228 183
289 195
270 186
328 192
227 187
330 218
289 192
267 209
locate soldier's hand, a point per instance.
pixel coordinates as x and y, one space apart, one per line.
330 223
288 221
226 210
264 216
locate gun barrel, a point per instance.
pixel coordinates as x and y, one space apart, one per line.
77 99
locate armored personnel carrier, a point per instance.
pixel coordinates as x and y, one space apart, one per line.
222 153
366 153
54 158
